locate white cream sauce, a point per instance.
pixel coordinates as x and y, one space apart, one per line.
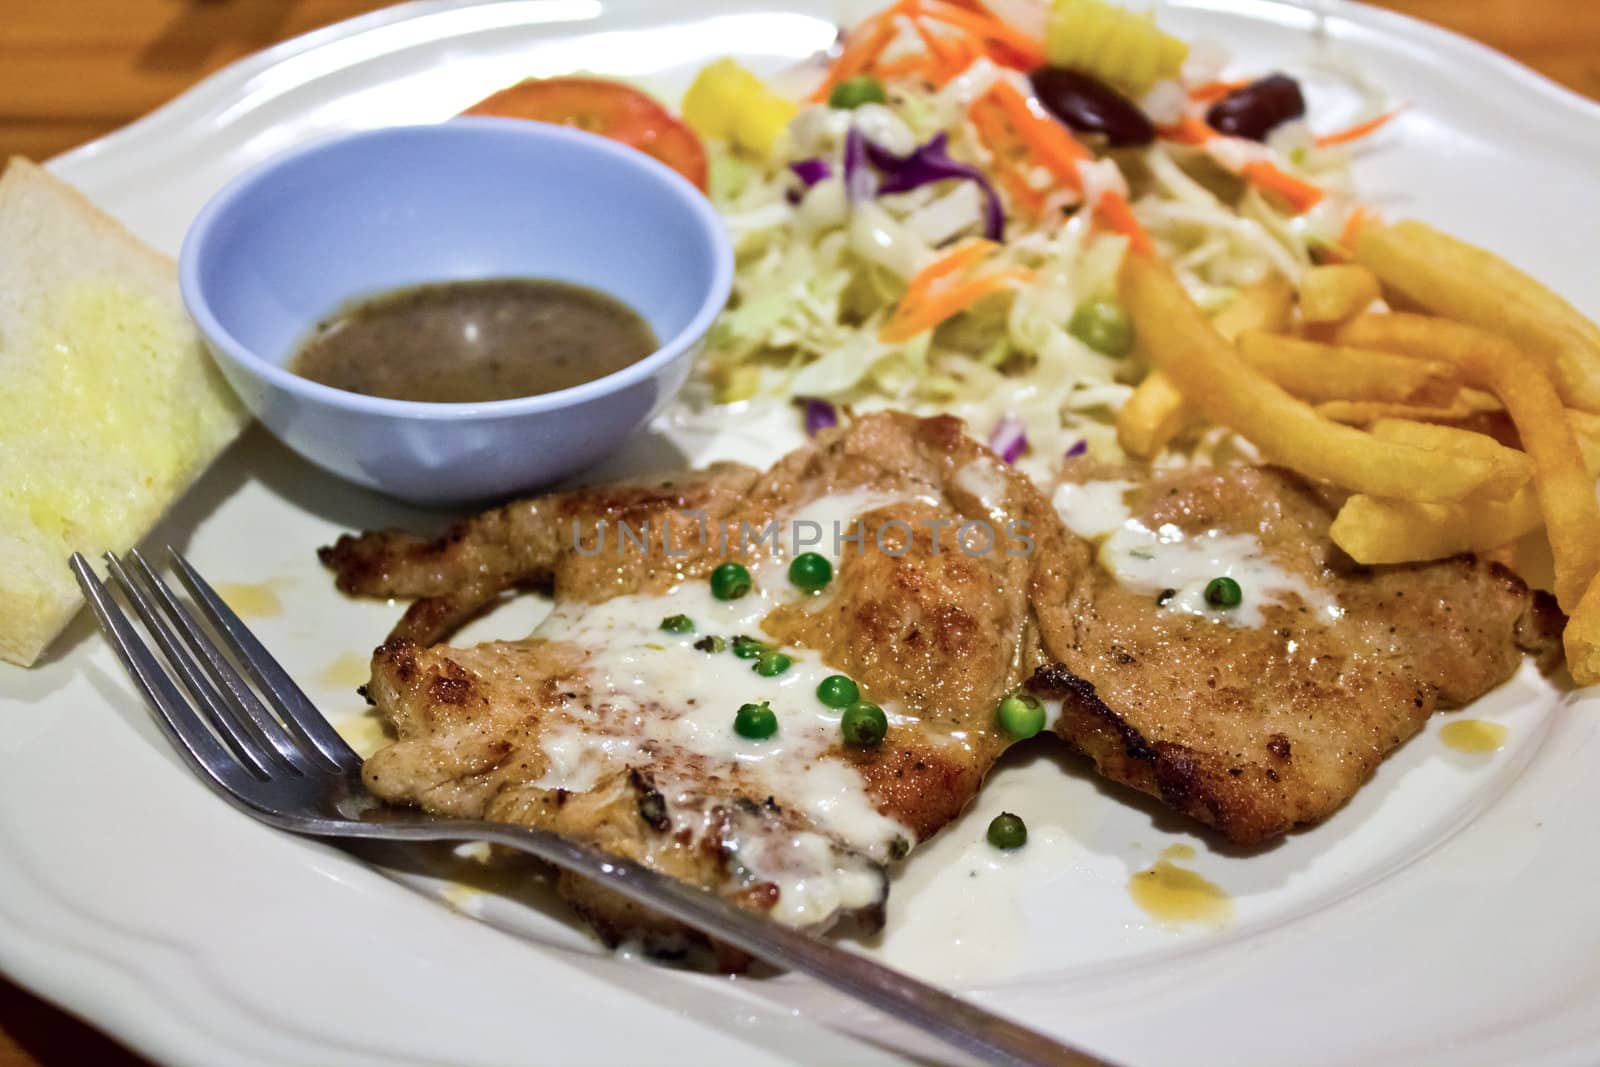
1092 510
985 479
1168 560
962 910
661 705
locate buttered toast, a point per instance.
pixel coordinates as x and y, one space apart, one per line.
109 405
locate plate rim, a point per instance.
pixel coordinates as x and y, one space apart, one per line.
245 67
116 997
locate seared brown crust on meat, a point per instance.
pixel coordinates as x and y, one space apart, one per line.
924 622
1251 731
526 541
1256 731
938 633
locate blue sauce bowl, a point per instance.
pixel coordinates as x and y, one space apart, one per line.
288 243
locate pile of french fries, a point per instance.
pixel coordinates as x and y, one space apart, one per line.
1463 419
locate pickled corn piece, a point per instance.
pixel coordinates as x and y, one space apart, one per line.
729 103
1122 48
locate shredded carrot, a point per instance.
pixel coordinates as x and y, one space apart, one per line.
991 125
1211 92
1300 195
964 53
864 45
949 55
1352 229
1006 119
1116 214
963 256
1358 131
905 67
1007 150
1191 129
1046 139
1011 47
1028 200
914 317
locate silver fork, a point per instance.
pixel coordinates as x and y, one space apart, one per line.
260 744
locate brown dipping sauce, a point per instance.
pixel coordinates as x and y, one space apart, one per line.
466 342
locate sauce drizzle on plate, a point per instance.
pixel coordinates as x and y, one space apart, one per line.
1177 896
1473 735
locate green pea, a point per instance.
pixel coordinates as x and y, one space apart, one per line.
1007 831
811 571
837 691
772 664
755 721
748 647
1104 327
853 92
1223 593
863 725
1020 715
730 581
678 624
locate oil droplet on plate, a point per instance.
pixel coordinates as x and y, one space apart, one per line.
1473 735
1177 896
1177 852
349 671
250 601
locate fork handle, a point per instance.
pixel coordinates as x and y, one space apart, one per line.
958 1022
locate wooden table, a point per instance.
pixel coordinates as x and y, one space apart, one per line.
75 69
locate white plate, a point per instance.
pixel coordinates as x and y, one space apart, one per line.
1447 916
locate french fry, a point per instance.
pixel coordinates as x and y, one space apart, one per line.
1586 425
1581 638
1156 413
1468 405
1451 277
1374 531
1266 306
1337 292
1314 371
1220 385
1566 490
1398 531
1457 443
1151 417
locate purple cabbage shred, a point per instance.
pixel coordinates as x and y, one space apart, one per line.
819 415
859 182
929 163
1009 440
812 171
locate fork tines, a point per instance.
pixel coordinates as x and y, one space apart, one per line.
253 736
243 718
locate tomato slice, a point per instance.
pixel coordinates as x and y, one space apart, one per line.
607 108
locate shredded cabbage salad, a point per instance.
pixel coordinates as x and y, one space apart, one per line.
922 230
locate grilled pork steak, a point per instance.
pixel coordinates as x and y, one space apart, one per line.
1258 718
608 727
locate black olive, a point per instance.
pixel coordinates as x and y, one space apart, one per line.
1089 105
1258 108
